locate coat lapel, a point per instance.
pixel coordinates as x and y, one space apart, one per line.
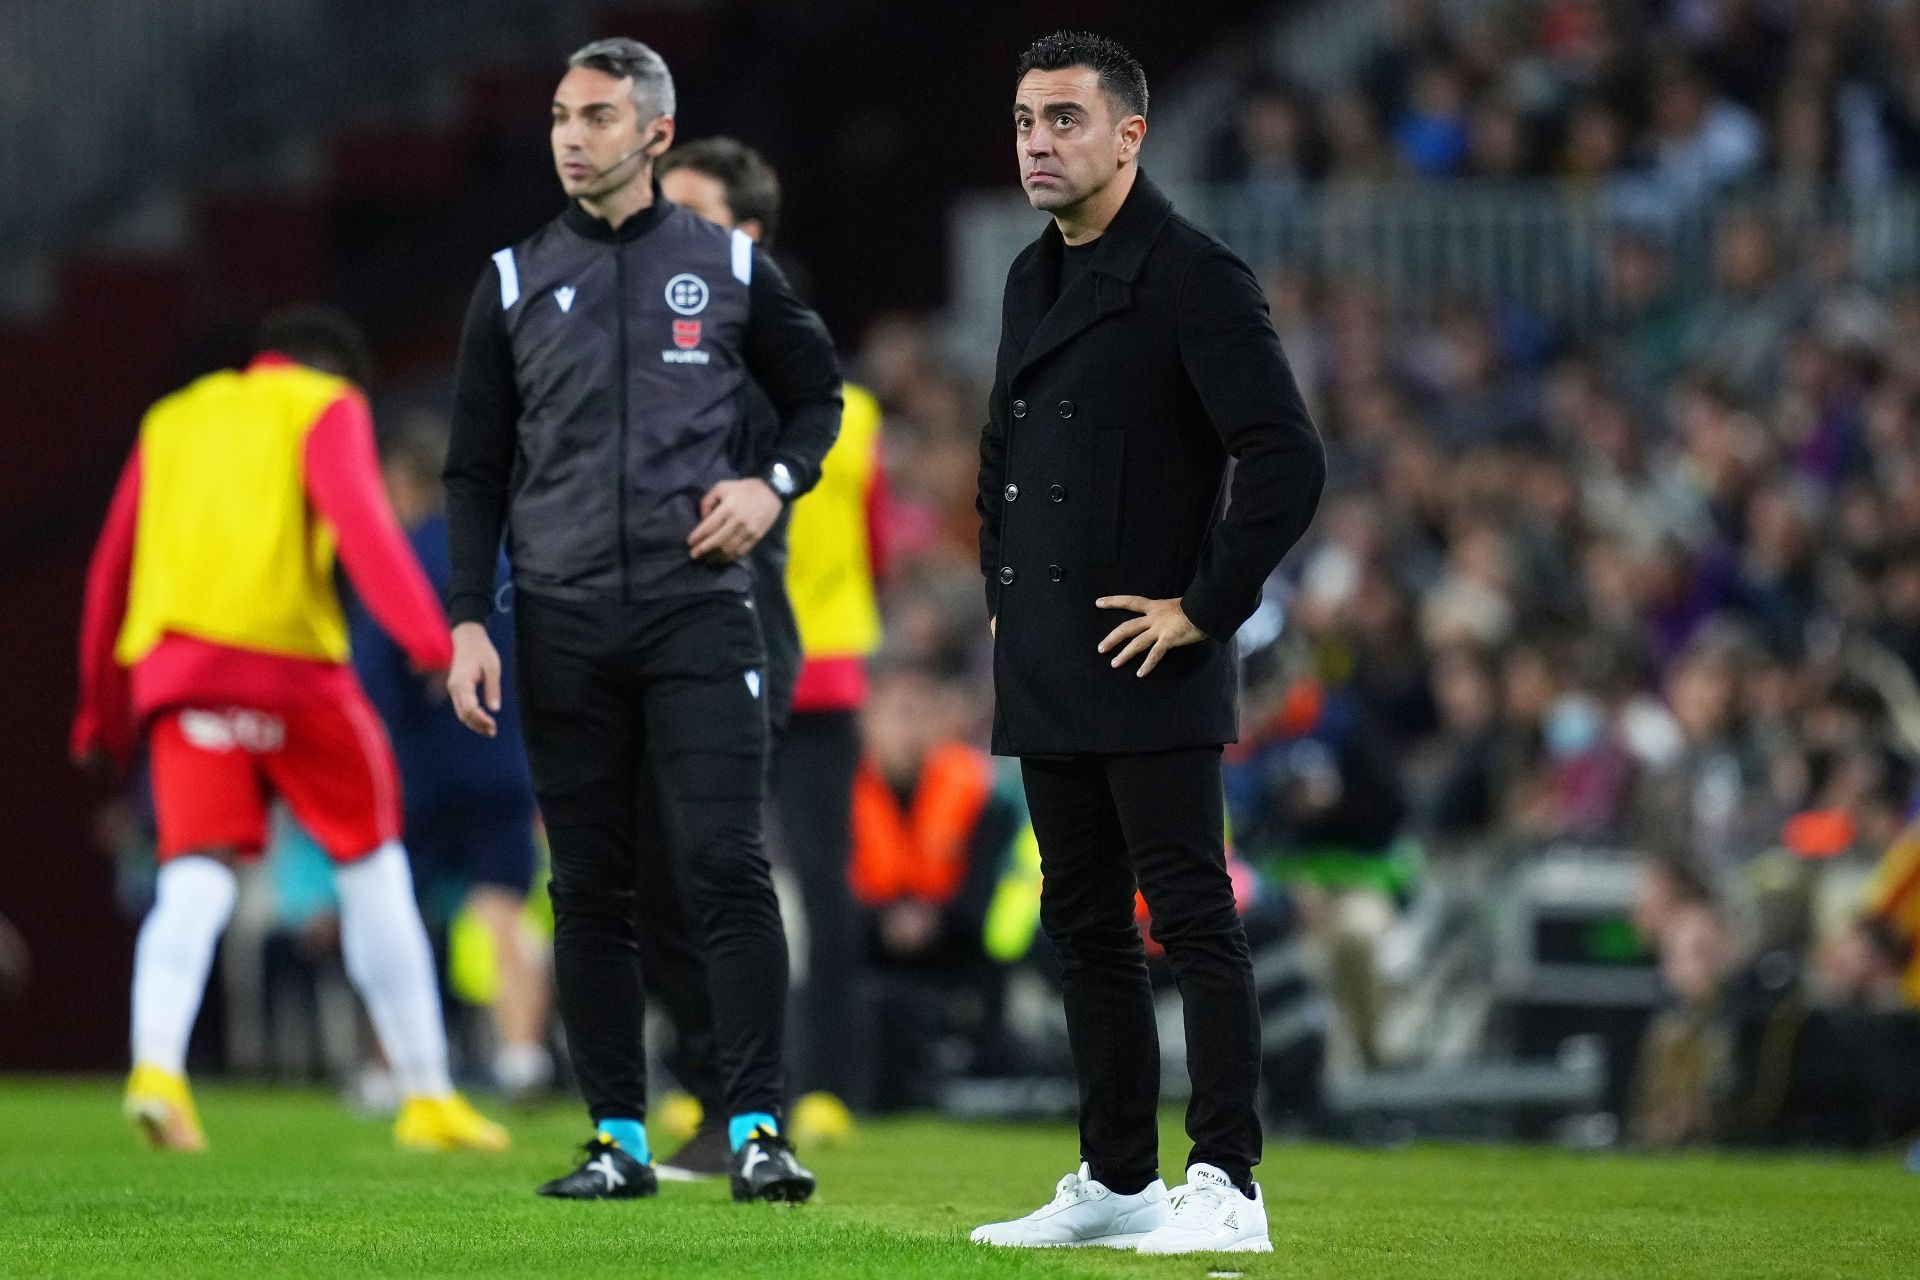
1044 323
1091 299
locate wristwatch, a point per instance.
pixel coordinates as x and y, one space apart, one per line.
780 479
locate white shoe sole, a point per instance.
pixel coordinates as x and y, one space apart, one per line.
1263 1245
674 1173
1127 1240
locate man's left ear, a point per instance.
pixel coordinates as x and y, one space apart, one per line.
1133 131
662 139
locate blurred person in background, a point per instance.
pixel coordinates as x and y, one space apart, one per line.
1738 334
1700 806
469 803
1701 142
931 838
1686 1053
16 963
815 582
1316 805
212 629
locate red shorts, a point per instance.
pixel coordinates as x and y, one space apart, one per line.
215 771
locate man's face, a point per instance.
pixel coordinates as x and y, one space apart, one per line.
703 193
597 132
1069 142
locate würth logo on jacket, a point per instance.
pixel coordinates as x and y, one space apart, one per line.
686 340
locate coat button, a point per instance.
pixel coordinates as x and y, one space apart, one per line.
1058 493
1013 491
1055 572
1066 408
1019 408
1006 575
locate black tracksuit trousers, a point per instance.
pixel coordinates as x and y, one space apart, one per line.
640 717
813 776
1106 825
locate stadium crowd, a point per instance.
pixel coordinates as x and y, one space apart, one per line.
1656 100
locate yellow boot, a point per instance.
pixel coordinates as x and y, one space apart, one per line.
160 1103
820 1119
446 1124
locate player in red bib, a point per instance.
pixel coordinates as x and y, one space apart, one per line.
212 628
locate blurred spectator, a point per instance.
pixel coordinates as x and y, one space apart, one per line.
1470 777
1686 1055
930 840
1643 341
469 799
1739 333
1702 806
1271 145
1315 805
16 966
1497 143
1432 135
1355 144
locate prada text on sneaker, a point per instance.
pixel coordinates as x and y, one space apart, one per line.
1211 1215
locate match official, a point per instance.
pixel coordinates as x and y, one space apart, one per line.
1136 357
598 407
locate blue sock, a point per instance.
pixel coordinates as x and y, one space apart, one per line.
741 1127
631 1135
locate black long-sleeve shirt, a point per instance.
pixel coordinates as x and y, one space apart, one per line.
566 428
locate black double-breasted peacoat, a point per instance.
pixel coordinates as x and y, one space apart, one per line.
1103 465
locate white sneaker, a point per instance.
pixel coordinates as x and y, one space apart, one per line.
1211 1216
1083 1213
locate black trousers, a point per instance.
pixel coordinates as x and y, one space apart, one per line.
674 974
1106 825
650 716
813 767
813 799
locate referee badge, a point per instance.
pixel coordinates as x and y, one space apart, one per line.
687 294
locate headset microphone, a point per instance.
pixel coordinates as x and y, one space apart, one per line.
623 160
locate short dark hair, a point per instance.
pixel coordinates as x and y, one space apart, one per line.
1121 76
753 188
320 338
625 59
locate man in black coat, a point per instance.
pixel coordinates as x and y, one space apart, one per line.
1136 357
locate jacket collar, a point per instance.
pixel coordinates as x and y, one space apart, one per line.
1043 322
585 224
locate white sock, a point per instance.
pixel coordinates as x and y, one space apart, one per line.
192 902
522 1066
391 964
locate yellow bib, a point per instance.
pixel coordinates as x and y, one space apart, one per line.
227 547
830 560
1894 894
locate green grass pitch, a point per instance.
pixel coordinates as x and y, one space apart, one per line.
294 1186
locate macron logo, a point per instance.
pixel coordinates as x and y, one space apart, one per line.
564 296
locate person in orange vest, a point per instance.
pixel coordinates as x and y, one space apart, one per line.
213 629
931 835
